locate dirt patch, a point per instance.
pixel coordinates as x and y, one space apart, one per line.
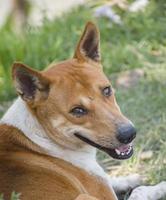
129 79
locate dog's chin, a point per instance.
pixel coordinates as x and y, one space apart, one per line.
122 152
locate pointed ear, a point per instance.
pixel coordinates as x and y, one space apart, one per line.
30 84
89 44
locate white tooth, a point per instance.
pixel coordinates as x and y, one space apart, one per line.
122 153
117 151
129 150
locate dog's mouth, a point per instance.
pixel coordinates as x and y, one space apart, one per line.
122 152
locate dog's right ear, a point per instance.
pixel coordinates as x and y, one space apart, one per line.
30 84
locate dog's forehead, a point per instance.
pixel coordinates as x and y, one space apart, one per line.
79 73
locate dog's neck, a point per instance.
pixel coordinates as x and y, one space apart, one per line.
20 117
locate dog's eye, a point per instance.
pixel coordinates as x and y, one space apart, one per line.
107 91
79 111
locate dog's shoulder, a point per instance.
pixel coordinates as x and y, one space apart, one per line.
22 170
11 138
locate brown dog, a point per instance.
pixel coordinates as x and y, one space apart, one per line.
47 137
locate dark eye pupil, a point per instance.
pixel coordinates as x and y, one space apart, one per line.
78 111
107 91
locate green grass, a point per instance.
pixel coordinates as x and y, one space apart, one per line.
14 196
139 43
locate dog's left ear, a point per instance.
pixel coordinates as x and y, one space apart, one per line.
89 44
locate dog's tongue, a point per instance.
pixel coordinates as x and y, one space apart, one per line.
124 148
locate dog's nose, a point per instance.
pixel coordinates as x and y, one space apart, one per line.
126 133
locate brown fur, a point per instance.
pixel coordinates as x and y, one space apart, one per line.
36 176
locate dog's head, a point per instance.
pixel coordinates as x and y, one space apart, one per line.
74 101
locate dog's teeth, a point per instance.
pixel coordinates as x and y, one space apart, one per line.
117 151
127 152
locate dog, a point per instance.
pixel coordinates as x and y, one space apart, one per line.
49 136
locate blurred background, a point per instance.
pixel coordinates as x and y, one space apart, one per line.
133 46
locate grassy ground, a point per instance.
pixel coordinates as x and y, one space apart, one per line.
139 43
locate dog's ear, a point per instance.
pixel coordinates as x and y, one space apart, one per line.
89 44
30 84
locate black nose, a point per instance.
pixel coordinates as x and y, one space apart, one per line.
126 133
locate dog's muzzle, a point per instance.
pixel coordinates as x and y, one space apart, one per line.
124 151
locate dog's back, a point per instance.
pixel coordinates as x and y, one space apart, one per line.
34 176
